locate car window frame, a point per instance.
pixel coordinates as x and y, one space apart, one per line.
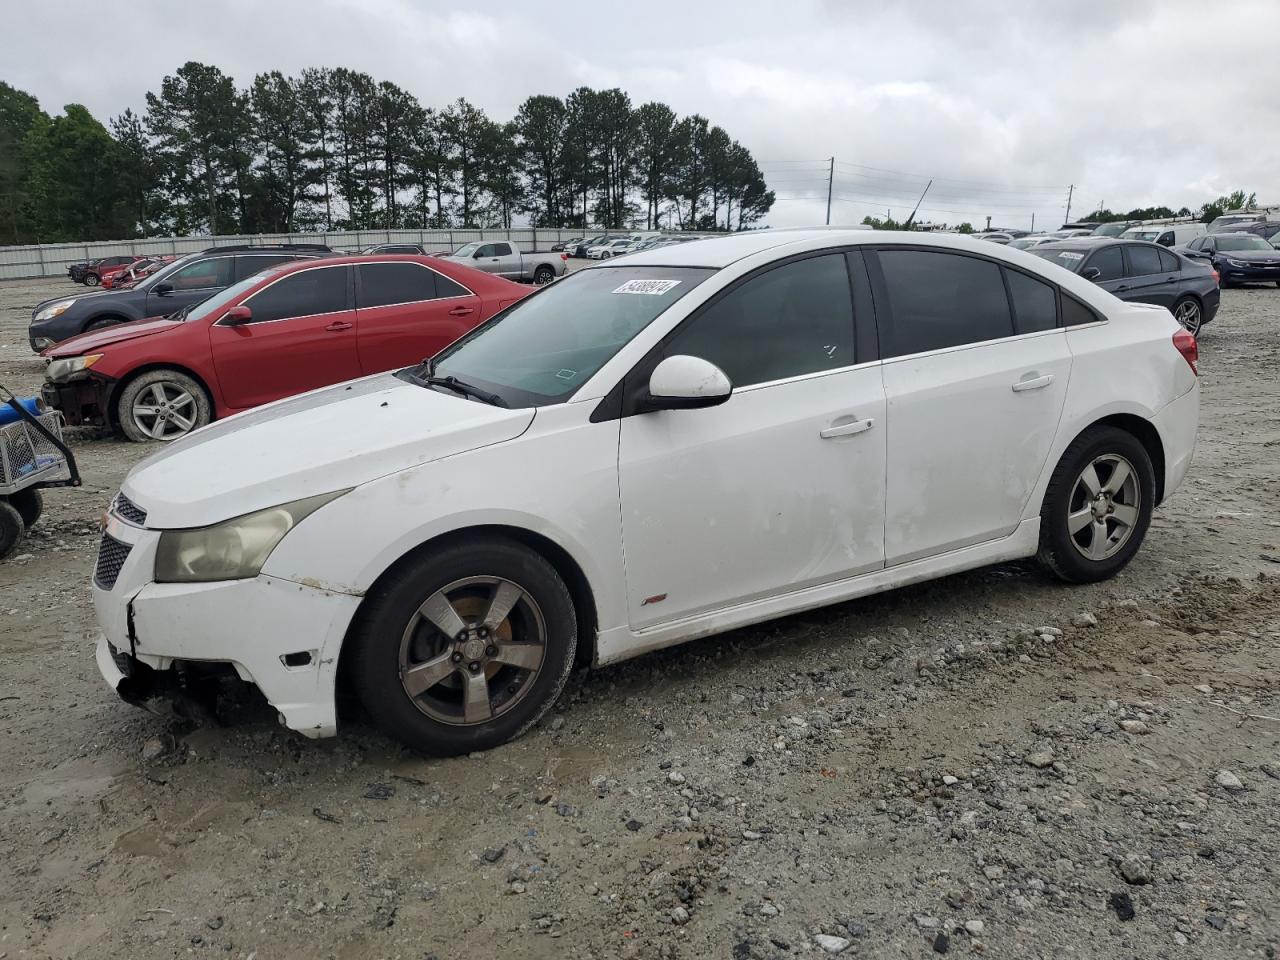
196 263
627 397
404 303
1127 250
1005 270
1124 262
318 265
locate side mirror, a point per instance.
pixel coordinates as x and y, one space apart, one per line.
476 255
162 289
237 316
687 383
1091 273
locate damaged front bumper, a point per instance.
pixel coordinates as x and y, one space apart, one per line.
282 637
83 402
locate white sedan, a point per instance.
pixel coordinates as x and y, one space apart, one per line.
614 248
673 445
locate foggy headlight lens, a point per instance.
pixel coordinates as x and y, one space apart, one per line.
54 310
66 369
233 550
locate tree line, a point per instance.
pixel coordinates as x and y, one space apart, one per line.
335 149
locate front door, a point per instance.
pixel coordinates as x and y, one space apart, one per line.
408 312
782 486
1109 262
189 285
302 336
974 391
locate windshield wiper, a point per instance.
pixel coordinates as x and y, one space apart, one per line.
464 388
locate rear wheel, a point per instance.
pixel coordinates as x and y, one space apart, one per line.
30 504
543 275
162 405
1097 507
466 647
1188 313
11 528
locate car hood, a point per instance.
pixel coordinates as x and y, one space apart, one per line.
73 296
98 339
1251 256
318 442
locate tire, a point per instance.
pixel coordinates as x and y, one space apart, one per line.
30 505
11 528
101 324
1081 557
91 280
1189 315
605 255
188 406
394 640
543 275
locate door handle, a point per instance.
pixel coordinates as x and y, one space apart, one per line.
1033 383
338 325
461 311
846 429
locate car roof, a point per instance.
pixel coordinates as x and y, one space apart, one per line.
718 252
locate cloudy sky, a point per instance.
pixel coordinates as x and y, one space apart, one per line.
1005 104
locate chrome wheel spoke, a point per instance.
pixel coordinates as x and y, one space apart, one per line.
1118 476
1089 478
504 598
476 706
439 611
421 678
1125 515
526 656
1079 520
181 422
1099 540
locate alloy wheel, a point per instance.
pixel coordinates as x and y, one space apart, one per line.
1188 315
164 411
1104 507
472 650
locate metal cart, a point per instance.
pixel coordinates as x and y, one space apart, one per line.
32 456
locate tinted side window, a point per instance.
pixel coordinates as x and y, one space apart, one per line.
1165 239
488 250
301 295
1143 260
1196 244
247 266
1168 262
502 249
1075 313
1035 303
447 288
941 300
1109 261
794 319
214 272
386 283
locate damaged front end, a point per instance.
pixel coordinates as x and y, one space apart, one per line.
188 691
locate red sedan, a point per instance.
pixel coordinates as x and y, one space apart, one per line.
284 331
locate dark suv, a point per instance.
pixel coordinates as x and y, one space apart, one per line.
1143 272
181 284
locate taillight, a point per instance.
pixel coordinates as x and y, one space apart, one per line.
1217 278
1186 345
564 256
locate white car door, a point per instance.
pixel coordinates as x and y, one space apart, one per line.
781 486
975 391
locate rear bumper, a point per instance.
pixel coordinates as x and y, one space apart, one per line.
1177 424
83 402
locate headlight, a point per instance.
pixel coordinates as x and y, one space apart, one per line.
234 549
1237 263
67 369
54 309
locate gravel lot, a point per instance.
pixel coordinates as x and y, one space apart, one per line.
989 763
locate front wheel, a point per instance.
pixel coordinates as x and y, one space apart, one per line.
91 279
162 405
30 505
11 528
466 647
1188 313
1097 507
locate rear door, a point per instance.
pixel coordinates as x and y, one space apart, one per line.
1146 279
190 285
975 375
302 336
407 312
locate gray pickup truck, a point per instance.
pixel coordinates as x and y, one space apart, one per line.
504 258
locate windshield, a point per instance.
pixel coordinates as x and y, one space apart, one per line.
1026 243
217 302
467 250
1221 223
1071 259
549 344
1110 229
1243 243
160 274
1142 234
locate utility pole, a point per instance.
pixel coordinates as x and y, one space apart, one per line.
1033 221
1070 190
831 176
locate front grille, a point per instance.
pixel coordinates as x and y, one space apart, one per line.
130 511
111 557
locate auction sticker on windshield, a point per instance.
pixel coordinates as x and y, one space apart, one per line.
648 287
1068 255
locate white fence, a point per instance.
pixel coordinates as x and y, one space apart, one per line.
52 259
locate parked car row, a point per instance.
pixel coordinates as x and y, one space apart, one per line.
90 272
448 540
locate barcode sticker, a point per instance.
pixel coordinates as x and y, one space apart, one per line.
648 287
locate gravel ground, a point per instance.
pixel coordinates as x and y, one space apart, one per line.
991 763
